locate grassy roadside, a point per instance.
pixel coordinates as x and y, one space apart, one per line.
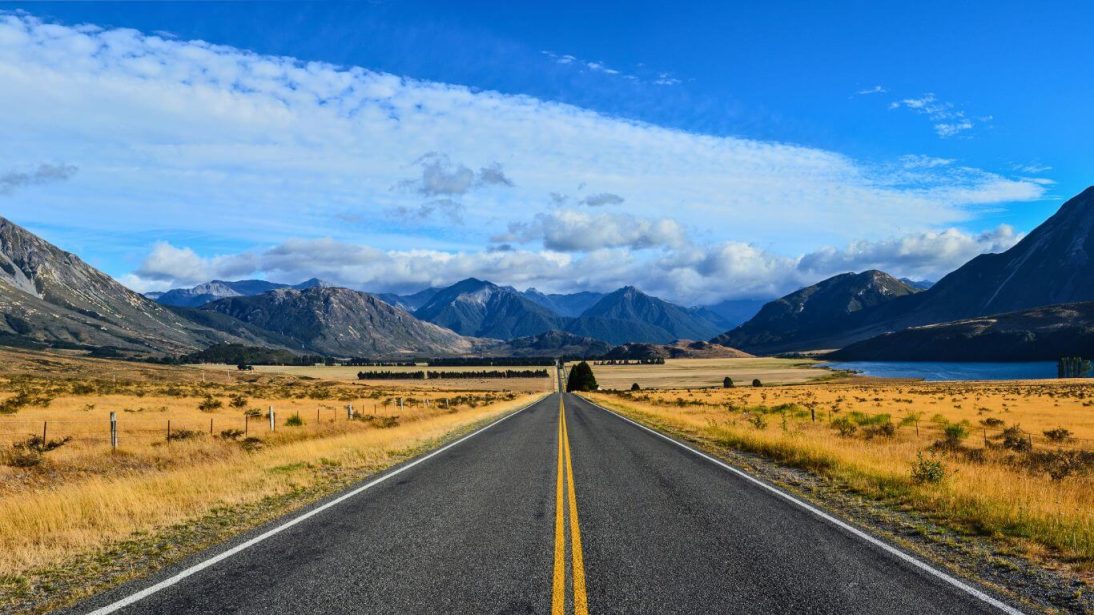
58 545
985 491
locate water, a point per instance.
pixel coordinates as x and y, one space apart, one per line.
939 370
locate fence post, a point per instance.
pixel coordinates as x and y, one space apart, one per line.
44 423
113 431
273 421
400 404
317 416
246 424
168 431
349 411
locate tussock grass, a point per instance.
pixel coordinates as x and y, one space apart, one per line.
1040 499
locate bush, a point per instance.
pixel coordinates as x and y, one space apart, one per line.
255 413
294 421
844 426
727 383
1058 435
210 403
884 430
756 383
1061 464
991 422
927 470
251 444
17 457
1015 439
183 434
231 434
955 433
238 401
758 421
635 387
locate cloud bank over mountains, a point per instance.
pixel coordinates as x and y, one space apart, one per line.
214 162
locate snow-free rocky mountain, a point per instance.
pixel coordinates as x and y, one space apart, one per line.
220 289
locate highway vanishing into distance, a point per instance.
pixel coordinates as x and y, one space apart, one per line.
563 507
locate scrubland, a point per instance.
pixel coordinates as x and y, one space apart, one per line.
1010 460
74 511
692 373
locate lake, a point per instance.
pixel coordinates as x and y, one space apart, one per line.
938 370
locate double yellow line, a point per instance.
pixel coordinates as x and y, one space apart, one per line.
566 492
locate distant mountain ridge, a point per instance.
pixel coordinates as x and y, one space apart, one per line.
805 319
220 289
629 315
484 309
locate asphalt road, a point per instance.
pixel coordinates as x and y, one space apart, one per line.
487 526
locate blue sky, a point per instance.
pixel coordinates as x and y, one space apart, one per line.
704 152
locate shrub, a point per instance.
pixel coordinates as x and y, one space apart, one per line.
1061 464
182 434
37 444
756 382
255 413
294 421
238 401
844 426
1015 439
1058 435
231 434
251 444
758 421
635 387
884 430
727 383
210 403
927 470
955 433
17 457
991 422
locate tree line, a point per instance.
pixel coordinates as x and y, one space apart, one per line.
439 375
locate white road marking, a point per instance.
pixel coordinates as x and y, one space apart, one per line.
196 568
958 583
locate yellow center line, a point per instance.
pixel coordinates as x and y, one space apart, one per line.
558 594
581 604
567 498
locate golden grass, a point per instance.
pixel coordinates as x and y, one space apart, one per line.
695 373
349 374
987 489
81 497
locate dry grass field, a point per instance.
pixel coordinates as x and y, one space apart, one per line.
1012 460
70 505
696 373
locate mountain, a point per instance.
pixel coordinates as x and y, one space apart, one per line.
52 298
1038 334
342 322
731 312
211 291
681 349
569 305
1053 264
221 289
812 317
409 302
483 309
918 284
629 315
556 344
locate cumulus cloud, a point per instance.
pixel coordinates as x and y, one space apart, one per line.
443 178
575 231
44 174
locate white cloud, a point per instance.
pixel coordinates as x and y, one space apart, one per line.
177 140
948 120
877 89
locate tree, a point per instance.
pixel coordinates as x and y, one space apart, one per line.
727 383
756 383
635 387
581 378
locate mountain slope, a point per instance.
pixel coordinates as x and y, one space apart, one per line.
731 312
409 302
814 316
629 315
555 344
53 298
569 305
221 289
483 309
342 322
1038 334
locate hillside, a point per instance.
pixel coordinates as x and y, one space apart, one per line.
220 289
682 349
483 309
1038 334
52 298
569 305
342 322
629 315
814 316
554 344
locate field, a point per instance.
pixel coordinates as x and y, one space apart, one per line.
349 374
76 515
1010 460
696 373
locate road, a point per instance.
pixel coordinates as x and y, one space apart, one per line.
498 524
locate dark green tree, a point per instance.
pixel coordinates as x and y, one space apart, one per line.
635 387
757 383
581 378
727 383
